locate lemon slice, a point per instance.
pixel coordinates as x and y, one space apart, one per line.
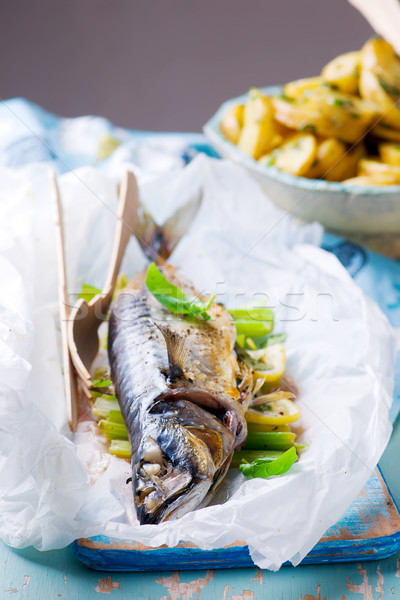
280 412
274 358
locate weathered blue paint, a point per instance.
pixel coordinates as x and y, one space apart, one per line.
370 529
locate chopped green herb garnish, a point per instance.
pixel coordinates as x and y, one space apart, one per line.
271 161
310 127
170 296
354 115
392 90
264 467
331 86
286 98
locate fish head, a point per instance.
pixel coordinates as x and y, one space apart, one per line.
178 462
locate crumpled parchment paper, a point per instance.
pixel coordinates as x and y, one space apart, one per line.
340 350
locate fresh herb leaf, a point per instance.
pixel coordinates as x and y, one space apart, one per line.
100 383
170 296
88 292
266 468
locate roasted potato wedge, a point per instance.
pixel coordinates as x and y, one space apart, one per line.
380 79
386 133
232 123
326 113
293 89
343 72
375 167
390 153
367 180
347 166
259 134
329 153
294 156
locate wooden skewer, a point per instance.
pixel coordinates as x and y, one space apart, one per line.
70 381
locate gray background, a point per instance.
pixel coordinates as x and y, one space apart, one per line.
164 64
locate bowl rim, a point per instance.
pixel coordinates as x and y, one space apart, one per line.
211 130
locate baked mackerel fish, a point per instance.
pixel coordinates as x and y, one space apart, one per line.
175 379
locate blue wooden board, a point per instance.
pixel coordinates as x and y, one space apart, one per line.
370 529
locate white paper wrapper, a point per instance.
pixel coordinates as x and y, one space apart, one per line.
340 351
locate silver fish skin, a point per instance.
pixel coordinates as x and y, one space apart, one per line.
175 381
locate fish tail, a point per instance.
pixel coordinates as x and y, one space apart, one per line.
159 241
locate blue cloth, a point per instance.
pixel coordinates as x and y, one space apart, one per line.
31 134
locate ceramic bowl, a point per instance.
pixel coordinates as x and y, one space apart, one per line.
339 207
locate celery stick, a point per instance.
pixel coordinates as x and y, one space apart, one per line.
252 322
249 313
113 431
116 416
253 328
120 448
251 455
103 406
269 440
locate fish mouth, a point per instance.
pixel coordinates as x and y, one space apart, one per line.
180 461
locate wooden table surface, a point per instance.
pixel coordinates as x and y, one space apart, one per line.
32 575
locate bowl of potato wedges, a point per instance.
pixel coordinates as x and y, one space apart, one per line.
325 148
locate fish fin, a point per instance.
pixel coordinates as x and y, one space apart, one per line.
158 242
177 350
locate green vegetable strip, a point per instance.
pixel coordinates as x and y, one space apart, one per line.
120 448
253 328
251 455
103 406
113 431
173 298
249 313
115 416
252 322
270 440
264 468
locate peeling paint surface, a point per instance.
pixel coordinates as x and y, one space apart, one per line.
185 590
379 587
317 597
247 595
27 580
258 577
106 585
363 588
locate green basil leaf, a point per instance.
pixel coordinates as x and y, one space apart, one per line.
170 296
265 468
